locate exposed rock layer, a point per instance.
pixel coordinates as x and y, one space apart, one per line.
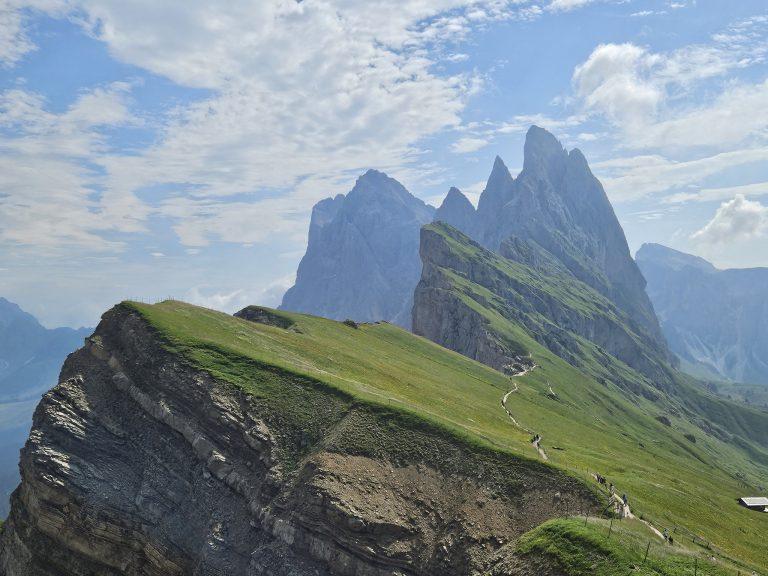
138 464
30 360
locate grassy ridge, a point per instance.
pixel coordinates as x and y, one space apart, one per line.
672 450
601 548
591 427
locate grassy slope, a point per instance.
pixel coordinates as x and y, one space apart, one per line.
601 548
669 479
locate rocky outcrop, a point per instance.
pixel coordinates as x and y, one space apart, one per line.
716 321
539 297
30 360
558 204
362 259
458 211
139 464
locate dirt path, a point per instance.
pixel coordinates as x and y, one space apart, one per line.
537 442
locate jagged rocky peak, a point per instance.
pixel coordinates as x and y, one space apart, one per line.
558 204
459 212
497 189
543 154
362 258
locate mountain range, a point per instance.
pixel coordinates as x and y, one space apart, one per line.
492 438
715 320
30 361
362 256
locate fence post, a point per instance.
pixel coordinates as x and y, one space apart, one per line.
647 548
610 529
695 567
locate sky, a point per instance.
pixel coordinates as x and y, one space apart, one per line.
175 149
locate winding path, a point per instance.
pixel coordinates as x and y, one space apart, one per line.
537 442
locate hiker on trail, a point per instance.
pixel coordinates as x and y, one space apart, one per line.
624 498
612 488
666 534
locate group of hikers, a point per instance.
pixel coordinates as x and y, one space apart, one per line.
624 501
612 491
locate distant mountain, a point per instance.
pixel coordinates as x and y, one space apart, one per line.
716 321
458 211
362 260
30 359
557 204
491 307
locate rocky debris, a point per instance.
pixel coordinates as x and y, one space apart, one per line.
716 321
139 465
266 316
362 259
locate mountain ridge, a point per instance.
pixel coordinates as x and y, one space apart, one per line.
713 319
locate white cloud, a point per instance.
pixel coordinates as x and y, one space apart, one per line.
567 5
712 194
235 300
658 100
50 187
737 219
283 120
469 144
14 42
631 178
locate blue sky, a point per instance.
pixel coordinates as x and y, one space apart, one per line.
152 149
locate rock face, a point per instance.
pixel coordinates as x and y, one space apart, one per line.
716 321
138 464
557 204
531 290
30 360
362 259
458 211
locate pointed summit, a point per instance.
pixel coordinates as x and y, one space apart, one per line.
543 154
497 189
456 198
362 259
499 174
458 211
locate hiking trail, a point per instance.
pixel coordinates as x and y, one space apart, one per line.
537 440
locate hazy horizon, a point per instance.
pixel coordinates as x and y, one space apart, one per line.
154 150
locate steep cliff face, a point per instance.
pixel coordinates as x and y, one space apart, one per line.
715 320
557 203
140 464
362 259
30 360
533 293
